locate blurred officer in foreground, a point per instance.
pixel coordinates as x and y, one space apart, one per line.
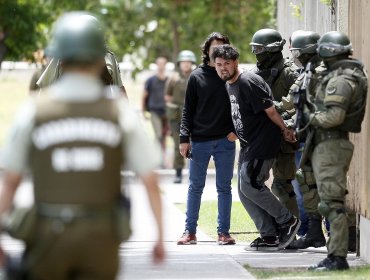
74 140
175 98
340 100
280 74
110 75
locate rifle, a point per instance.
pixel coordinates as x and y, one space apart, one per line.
301 98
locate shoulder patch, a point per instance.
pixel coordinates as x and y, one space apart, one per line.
331 90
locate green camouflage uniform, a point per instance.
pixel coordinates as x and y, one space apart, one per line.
176 87
280 77
305 176
340 95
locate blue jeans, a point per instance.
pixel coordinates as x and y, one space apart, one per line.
297 189
223 153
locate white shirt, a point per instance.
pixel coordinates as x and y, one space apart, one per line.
141 153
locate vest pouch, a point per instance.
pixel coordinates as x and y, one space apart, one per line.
22 224
173 112
123 219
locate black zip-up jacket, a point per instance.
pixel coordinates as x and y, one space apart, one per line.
207 110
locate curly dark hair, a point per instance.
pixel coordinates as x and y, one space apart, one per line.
226 51
207 43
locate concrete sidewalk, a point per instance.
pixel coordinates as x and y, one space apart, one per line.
206 260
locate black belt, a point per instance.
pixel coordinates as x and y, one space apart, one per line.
69 212
323 135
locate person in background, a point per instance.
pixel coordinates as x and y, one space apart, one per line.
153 101
175 98
42 62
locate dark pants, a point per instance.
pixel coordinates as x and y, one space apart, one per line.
80 250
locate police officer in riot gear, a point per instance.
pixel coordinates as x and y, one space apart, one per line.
303 48
175 97
75 139
280 75
340 100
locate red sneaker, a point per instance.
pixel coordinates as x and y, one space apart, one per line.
187 238
225 239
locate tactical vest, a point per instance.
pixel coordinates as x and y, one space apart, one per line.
280 77
353 73
178 87
317 74
76 152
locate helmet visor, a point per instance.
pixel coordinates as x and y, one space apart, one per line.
257 49
334 49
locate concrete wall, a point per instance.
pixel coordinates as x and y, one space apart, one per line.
351 17
314 16
359 179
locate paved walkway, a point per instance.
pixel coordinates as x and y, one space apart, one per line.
207 260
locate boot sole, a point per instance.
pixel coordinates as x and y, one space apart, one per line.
187 243
291 238
263 249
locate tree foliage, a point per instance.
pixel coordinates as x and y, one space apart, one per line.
145 28
24 24
184 24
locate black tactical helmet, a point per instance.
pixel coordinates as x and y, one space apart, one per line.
334 43
77 36
304 42
186 55
267 40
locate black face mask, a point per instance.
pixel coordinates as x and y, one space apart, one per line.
262 57
303 59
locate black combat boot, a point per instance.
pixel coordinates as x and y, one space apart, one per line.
352 234
178 177
314 236
331 263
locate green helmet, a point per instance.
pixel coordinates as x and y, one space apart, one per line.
334 43
186 55
304 42
267 40
77 36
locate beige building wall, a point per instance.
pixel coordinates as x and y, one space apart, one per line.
312 15
359 175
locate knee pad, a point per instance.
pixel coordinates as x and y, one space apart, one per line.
324 209
305 177
328 212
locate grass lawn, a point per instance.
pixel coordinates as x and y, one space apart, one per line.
13 91
242 227
358 273
241 222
